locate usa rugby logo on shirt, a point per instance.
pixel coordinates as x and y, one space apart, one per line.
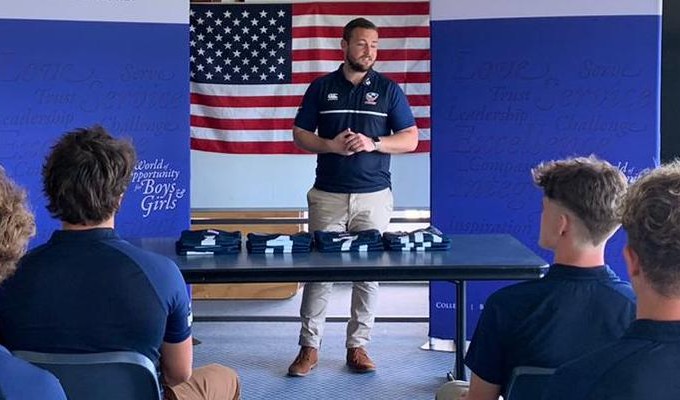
371 98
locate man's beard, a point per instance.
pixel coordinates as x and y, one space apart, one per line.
355 66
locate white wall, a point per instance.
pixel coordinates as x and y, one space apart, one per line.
172 11
489 9
227 181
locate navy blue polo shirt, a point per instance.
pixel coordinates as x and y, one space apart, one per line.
20 380
644 364
375 107
90 291
549 321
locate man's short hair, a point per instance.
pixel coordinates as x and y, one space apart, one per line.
651 217
17 225
591 188
86 174
356 23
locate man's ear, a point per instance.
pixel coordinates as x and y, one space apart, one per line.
632 262
564 223
344 44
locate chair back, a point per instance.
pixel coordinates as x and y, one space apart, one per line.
102 376
528 383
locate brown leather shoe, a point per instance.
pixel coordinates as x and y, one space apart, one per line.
305 361
359 361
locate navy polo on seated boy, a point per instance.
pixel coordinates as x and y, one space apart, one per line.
578 306
86 290
645 362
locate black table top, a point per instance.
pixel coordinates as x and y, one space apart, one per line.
472 257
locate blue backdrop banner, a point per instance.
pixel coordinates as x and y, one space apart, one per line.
509 93
130 77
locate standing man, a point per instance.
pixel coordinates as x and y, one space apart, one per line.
86 290
578 306
19 380
361 117
645 362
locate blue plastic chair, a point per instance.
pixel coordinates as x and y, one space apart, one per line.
102 376
528 383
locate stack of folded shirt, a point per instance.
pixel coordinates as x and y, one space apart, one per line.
276 243
428 239
208 241
368 240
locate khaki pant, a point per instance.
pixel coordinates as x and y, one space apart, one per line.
453 390
212 382
337 212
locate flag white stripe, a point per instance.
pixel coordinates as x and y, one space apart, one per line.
240 113
260 136
297 89
382 66
242 136
386 43
217 89
415 89
380 20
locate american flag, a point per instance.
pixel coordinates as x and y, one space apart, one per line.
251 65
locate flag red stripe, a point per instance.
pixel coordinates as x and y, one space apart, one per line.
245 147
246 101
273 101
242 124
261 124
383 55
352 9
423 146
387 32
423 123
419 100
265 147
399 77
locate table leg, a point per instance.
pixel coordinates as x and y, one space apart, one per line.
461 328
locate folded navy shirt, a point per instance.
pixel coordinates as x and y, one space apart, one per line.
427 239
208 241
268 243
367 240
